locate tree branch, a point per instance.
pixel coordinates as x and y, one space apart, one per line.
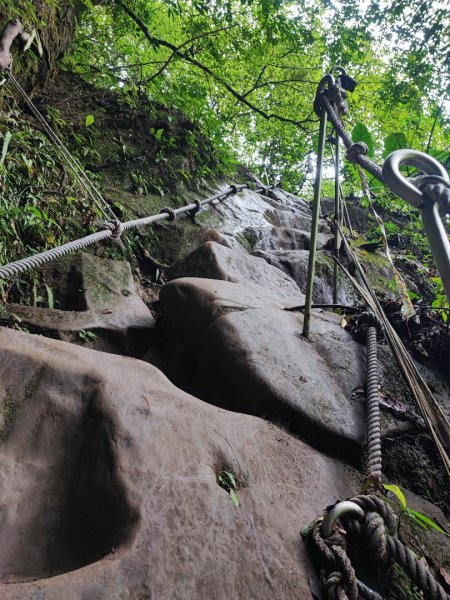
193 61
187 42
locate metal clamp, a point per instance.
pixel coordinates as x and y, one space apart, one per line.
339 510
398 183
434 228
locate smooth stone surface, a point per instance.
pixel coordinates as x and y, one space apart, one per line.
214 261
295 264
285 238
247 353
109 485
103 301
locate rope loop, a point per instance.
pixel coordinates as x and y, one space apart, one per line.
356 150
170 212
339 95
198 208
114 226
369 319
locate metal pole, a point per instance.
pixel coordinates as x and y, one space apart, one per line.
437 236
315 223
337 218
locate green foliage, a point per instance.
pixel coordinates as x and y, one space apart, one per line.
40 205
228 482
440 300
246 71
87 336
360 133
419 518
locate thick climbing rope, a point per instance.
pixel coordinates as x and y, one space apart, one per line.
113 229
356 151
374 330
435 419
372 521
374 528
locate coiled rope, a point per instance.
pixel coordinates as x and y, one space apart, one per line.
375 531
372 523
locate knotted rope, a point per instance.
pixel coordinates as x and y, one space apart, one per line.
376 533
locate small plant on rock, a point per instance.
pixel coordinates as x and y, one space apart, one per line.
229 483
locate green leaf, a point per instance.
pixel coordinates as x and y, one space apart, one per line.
360 133
50 298
425 521
90 119
234 497
6 141
231 479
394 141
397 492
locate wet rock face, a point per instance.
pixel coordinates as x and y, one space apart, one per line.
99 306
215 261
109 478
244 351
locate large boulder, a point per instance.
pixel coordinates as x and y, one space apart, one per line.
244 351
110 485
295 264
215 261
99 306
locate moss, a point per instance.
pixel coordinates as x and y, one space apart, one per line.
271 218
12 403
9 409
247 239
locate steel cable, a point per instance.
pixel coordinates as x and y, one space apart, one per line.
72 162
365 162
111 229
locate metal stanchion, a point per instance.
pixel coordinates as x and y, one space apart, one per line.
315 223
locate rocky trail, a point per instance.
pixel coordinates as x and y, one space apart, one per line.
170 441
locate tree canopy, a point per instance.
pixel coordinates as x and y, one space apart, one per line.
246 71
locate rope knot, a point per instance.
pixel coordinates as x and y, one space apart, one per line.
375 536
368 319
356 150
170 212
198 208
339 95
114 226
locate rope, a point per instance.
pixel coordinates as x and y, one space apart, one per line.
376 533
373 328
111 229
357 150
71 161
436 421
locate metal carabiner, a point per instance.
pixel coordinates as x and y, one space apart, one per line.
434 228
339 510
